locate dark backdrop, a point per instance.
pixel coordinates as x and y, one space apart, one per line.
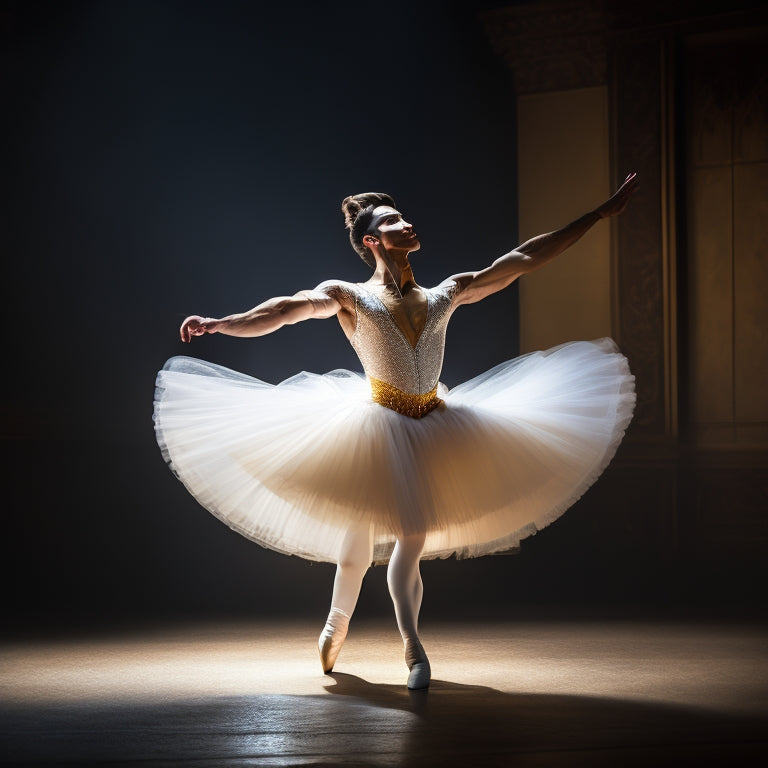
169 158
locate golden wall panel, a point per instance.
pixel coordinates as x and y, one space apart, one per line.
563 173
751 291
710 296
727 131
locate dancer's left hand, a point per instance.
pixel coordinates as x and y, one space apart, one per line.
616 204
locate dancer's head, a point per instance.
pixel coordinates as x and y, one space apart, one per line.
360 220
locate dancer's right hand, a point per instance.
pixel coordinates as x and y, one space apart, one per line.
195 325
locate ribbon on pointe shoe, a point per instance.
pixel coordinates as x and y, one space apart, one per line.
418 663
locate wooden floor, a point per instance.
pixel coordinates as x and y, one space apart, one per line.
529 694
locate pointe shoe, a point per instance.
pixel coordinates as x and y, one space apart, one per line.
418 663
420 677
332 638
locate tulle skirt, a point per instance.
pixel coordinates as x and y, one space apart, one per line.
296 465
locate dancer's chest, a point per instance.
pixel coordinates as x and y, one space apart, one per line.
408 311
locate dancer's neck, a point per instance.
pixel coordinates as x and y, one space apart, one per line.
394 272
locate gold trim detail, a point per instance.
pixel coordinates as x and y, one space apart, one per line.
415 406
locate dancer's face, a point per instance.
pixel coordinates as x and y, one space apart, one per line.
394 231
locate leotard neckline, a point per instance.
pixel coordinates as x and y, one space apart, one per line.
427 293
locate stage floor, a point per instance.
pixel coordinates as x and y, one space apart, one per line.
600 693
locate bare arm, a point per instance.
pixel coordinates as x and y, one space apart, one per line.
266 317
538 251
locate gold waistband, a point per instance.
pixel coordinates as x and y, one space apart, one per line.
415 406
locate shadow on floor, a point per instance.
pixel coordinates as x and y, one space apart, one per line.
363 724
461 723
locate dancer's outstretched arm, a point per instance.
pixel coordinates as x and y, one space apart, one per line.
537 251
266 317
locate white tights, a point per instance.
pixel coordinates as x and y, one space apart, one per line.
403 579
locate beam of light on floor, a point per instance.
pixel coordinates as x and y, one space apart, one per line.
596 694
717 667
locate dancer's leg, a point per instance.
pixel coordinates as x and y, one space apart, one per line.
354 560
407 589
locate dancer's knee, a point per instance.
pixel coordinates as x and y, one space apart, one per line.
355 559
412 545
350 564
357 551
404 563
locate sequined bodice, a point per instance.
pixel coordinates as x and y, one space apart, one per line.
386 354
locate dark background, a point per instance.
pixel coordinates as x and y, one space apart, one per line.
170 158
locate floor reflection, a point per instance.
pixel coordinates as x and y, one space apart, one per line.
362 723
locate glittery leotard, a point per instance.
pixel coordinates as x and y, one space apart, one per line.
386 354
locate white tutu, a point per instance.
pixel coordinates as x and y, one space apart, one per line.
293 466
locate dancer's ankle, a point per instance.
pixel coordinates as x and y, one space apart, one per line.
414 652
337 618
418 664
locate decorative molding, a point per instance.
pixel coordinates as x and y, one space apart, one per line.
637 103
554 45
551 46
669 250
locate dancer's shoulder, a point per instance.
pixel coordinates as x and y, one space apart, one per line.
341 290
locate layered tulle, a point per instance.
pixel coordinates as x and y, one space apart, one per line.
293 466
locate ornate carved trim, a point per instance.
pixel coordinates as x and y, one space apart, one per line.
551 46
637 104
